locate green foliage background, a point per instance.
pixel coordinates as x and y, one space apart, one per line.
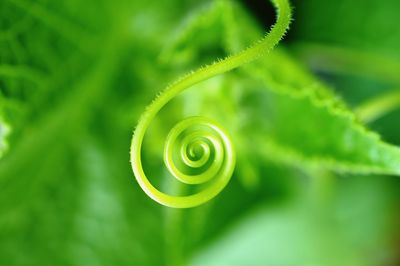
312 186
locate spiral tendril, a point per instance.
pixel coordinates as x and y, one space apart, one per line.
199 142
197 149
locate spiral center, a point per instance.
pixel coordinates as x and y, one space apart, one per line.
195 151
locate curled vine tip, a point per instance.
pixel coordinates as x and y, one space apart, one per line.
197 149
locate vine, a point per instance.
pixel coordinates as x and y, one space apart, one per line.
377 107
201 145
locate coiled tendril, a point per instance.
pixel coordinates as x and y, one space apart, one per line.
198 150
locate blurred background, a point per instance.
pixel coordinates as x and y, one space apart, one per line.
76 75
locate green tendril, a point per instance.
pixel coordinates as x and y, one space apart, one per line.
379 106
197 149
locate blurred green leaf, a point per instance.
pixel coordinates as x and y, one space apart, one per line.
306 234
355 24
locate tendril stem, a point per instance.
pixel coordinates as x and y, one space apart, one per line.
215 138
379 106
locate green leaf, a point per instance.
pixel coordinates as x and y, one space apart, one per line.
303 234
59 204
292 116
